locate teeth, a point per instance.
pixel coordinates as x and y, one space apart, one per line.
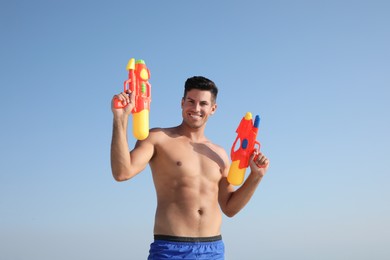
195 116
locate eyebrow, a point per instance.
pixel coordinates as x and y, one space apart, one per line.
201 101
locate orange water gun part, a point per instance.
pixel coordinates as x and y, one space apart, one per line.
138 84
246 133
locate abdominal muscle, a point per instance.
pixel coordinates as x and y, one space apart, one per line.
188 213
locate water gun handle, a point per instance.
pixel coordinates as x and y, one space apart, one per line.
117 103
236 173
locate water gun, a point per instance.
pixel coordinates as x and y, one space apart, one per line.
240 155
138 85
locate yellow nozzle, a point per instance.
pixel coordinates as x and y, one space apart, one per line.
248 116
131 64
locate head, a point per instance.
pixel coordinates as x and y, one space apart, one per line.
199 101
201 83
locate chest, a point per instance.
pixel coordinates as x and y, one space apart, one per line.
188 160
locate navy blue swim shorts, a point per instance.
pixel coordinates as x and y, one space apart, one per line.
172 247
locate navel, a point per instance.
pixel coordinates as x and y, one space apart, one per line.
200 211
178 163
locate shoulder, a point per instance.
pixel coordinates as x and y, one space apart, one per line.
154 135
219 150
162 131
158 134
168 131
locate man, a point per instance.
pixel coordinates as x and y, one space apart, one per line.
189 174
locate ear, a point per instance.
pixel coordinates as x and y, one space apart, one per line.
182 102
214 108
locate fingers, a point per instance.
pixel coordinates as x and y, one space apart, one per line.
260 160
124 100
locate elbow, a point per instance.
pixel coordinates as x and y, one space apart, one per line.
121 172
120 176
230 214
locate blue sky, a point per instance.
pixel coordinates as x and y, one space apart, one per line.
317 72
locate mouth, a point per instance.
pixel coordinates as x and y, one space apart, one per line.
195 116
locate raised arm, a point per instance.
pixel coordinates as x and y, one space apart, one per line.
232 201
125 164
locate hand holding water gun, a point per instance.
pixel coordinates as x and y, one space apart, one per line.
246 133
138 86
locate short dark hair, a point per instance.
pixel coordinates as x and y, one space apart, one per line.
201 83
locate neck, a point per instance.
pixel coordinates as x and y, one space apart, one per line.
194 134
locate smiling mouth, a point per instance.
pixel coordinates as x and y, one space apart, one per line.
195 116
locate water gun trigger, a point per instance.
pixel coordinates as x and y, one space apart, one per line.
257 154
258 146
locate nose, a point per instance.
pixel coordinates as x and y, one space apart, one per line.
196 106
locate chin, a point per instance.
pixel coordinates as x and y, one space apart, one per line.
195 125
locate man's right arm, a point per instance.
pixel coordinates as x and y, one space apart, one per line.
125 164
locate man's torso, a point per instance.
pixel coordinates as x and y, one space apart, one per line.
186 177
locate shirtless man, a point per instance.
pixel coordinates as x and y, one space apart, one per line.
189 174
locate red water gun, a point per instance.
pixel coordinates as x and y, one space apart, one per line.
246 133
139 86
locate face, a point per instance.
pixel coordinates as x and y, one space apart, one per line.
197 106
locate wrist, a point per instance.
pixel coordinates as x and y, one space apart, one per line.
121 120
255 176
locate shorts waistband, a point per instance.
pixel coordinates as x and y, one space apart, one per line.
187 239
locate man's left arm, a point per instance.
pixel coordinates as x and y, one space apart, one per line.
232 201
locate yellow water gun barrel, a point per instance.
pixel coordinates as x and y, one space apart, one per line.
236 174
141 124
